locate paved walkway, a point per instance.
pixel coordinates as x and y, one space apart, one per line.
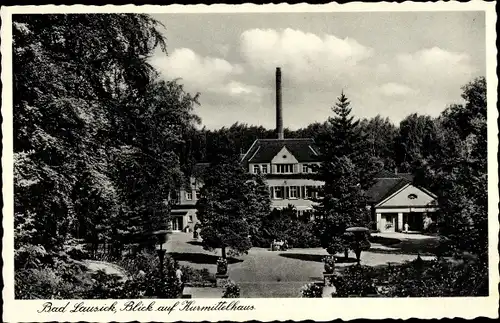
264 273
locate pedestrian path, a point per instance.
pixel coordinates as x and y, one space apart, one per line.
264 273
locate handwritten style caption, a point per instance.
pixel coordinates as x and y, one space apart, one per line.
141 306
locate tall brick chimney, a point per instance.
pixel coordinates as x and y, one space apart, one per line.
279 109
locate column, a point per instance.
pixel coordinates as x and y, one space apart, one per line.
400 222
379 218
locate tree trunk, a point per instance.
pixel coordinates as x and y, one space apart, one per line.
358 256
223 249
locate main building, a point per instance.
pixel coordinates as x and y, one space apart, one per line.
287 164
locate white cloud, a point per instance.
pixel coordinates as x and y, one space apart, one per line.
304 56
198 73
396 89
436 66
223 49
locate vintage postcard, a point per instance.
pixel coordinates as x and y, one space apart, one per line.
246 162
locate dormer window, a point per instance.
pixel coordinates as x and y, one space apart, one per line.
256 169
264 169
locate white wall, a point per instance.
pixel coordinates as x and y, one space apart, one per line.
402 199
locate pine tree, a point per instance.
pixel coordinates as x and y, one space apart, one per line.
341 202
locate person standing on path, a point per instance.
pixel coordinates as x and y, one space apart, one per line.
406 227
178 274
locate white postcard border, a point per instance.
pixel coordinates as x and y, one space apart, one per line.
264 309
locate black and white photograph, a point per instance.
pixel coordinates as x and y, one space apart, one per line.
249 155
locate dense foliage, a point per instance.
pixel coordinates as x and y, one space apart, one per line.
458 175
60 277
97 134
198 277
231 291
311 290
285 224
355 281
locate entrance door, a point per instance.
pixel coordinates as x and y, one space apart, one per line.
415 221
177 223
390 222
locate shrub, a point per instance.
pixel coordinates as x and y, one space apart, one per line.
47 275
232 291
329 264
437 278
355 281
311 290
198 277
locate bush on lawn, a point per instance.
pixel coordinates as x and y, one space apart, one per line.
311 290
355 281
197 277
232 291
437 278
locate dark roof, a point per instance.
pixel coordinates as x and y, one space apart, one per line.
384 187
264 150
408 176
386 174
198 169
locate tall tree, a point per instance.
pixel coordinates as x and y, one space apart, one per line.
259 206
380 134
341 200
223 209
88 107
416 142
458 173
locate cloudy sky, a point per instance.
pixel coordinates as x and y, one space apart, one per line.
391 64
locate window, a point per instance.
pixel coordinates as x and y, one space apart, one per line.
189 196
190 219
284 168
305 168
412 196
293 192
198 195
278 192
264 169
309 192
256 169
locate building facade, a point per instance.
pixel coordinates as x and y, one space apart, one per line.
287 165
183 202
395 201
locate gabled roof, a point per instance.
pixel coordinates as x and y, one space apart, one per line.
388 183
385 187
264 150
